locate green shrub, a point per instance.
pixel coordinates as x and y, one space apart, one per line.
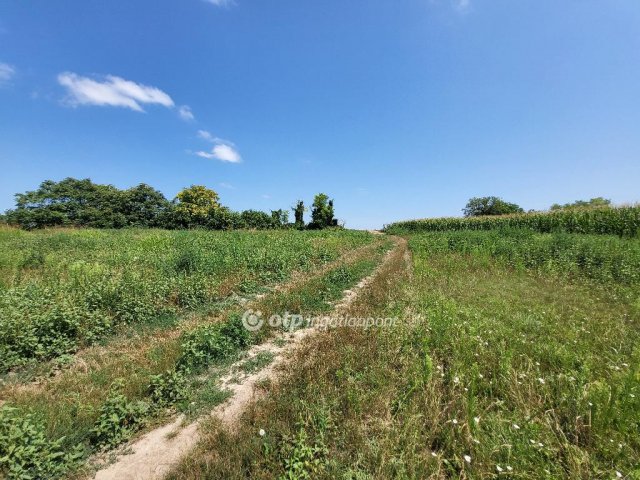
168 389
118 420
211 343
25 451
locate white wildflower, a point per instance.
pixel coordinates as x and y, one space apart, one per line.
262 432
516 426
499 468
467 458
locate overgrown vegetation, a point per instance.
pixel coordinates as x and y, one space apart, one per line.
134 381
62 290
513 360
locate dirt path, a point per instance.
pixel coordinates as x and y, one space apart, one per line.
154 454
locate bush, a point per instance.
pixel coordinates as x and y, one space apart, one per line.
210 343
168 389
118 420
25 451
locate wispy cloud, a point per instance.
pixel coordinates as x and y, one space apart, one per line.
221 3
112 91
185 113
6 72
222 150
226 185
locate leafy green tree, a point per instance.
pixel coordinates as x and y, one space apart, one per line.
256 219
479 206
69 202
597 202
322 212
144 206
298 213
280 218
195 205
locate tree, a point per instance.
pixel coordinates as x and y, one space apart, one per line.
144 206
298 213
479 206
597 202
256 219
194 206
322 212
280 218
69 202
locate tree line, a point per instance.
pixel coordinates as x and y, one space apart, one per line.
83 203
483 206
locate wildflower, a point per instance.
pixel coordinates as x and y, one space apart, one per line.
509 468
454 421
456 380
467 458
516 426
262 432
618 474
480 376
499 468
434 454
476 419
541 380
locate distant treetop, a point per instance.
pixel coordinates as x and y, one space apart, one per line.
480 206
593 203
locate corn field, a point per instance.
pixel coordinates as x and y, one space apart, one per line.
622 221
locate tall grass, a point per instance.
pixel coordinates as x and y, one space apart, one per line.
64 289
493 373
604 258
621 221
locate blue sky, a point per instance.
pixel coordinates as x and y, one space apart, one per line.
397 108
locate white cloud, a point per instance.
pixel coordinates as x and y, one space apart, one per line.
6 72
113 91
226 185
185 113
222 150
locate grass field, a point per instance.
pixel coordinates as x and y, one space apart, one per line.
166 306
515 353
504 367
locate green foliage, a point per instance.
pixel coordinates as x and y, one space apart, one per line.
168 389
481 206
622 221
118 420
73 202
597 202
25 451
604 258
322 214
195 205
62 290
302 460
212 343
298 213
255 219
